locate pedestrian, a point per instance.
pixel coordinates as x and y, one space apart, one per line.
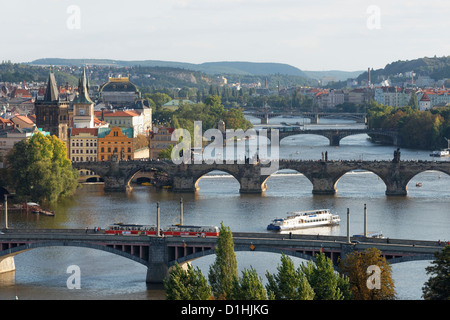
86 229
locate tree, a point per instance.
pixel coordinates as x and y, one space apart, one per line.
438 285
223 272
361 268
325 281
38 169
187 284
166 153
288 283
249 286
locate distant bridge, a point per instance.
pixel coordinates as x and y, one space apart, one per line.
336 135
314 117
159 253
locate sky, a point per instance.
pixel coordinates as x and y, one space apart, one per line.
349 35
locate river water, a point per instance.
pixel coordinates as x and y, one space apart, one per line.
423 214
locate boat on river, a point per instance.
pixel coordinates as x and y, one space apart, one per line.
441 153
304 219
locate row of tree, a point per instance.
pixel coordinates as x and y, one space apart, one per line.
209 113
311 281
418 129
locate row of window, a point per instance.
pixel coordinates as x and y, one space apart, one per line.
87 151
91 144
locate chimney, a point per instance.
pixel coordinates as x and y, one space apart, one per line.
368 71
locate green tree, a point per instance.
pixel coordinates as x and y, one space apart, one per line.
223 272
166 153
249 286
187 284
325 281
38 169
288 283
438 285
356 266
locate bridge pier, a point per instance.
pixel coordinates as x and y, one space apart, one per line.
252 185
157 267
335 140
265 119
116 184
7 265
184 184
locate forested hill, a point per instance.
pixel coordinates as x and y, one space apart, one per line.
436 67
211 68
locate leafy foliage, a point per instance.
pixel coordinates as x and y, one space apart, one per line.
249 286
223 272
356 266
38 169
187 284
438 285
324 280
288 283
417 129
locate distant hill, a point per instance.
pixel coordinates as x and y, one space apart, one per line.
436 68
211 68
339 75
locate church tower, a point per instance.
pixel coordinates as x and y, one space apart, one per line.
52 113
83 107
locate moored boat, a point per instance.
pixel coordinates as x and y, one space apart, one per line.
304 219
440 153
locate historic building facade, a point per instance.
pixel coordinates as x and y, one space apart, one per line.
52 113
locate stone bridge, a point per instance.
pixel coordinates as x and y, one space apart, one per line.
158 254
336 135
323 175
314 117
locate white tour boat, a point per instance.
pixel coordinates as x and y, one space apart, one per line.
304 219
440 153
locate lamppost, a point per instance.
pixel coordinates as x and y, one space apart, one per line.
6 208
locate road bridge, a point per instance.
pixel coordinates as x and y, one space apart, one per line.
336 135
158 254
323 175
314 117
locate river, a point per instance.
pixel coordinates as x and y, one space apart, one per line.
423 214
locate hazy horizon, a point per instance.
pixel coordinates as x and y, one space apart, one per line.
348 35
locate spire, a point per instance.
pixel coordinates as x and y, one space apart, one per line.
51 93
83 89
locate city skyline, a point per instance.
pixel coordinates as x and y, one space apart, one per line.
347 35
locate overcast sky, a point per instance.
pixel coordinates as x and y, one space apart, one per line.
311 35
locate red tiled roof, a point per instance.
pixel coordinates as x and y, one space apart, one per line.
128 113
23 118
77 131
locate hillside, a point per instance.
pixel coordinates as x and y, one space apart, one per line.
211 68
436 68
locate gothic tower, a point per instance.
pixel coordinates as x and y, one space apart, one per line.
83 107
52 113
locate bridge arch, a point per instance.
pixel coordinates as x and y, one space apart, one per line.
193 256
294 172
34 245
285 135
370 177
439 174
380 175
199 175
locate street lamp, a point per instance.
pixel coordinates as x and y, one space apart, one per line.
6 208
